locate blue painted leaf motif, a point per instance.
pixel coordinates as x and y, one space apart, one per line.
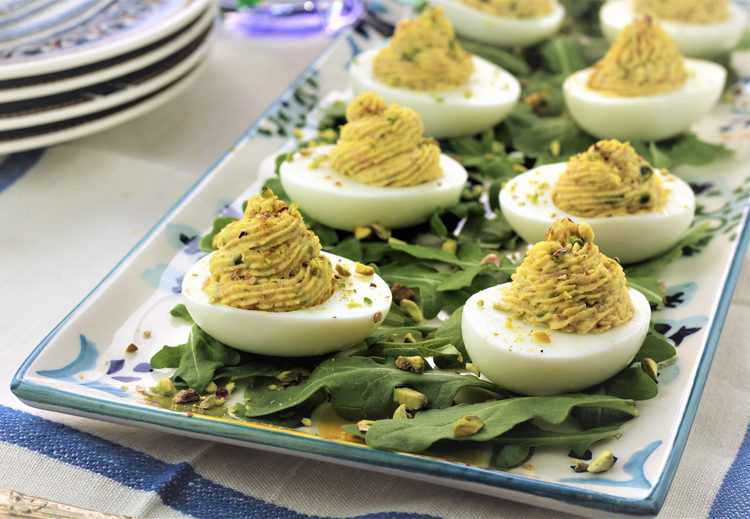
680 294
126 379
115 365
142 367
679 330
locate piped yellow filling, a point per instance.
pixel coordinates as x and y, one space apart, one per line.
521 9
687 11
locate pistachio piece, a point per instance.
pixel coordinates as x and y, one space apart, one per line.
409 338
164 387
449 246
491 259
579 466
132 348
412 310
211 387
411 398
210 401
342 270
364 425
363 270
382 232
602 463
362 232
400 292
292 376
402 413
473 368
651 368
185 395
414 364
230 387
467 426
306 422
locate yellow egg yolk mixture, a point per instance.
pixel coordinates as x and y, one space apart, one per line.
686 11
567 284
269 260
383 145
642 61
608 179
424 55
521 9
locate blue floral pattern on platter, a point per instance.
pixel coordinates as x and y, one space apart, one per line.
636 484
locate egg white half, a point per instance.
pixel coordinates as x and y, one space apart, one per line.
508 355
502 31
653 117
697 40
343 203
526 202
344 320
483 102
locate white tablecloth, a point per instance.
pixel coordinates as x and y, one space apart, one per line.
65 221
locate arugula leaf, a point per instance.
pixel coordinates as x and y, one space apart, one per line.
427 253
200 357
350 248
207 242
508 456
563 55
651 287
657 347
499 416
578 441
425 280
632 383
659 159
514 64
180 311
360 387
168 357
689 150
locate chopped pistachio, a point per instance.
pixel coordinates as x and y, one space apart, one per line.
210 401
449 246
362 232
518 168
402 413
364 425
164 387
132 348
382 232
211 387
473 368
185 395
306 422
651 368
230 387
602 463
400 292
363 270
412 310
580 466
292 376
414 364
490 259
411 398
467 426
554 148
342 270
146 334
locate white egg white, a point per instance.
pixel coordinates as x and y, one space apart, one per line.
498 30
527 205
697 40
652 117
343 203
485 100
506 352
358 306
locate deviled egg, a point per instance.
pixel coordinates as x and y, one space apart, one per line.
566 322
636 211
268 288
701 28
425 68
643 88
506 23
381 171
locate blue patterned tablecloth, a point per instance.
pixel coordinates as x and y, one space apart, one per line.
67 214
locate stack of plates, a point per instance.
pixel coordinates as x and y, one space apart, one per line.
70 68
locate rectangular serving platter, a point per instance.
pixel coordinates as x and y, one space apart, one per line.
81 367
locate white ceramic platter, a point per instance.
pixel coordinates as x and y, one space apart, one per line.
49 84
103 96
65 34
81 367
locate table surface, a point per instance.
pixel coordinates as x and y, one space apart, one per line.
69 213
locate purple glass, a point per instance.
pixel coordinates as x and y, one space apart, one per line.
295 17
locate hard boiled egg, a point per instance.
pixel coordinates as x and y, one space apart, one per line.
498 30
356 308
651 117
484 101
699 40
340 202
537 361
527 205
